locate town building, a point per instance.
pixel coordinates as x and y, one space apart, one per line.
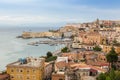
109 33
107 48
4 76
26 69
118 39
87 40
78 71
60 68
82 46
48 70
118 63
72 56
58 76
69 31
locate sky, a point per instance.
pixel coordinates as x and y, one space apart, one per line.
53 13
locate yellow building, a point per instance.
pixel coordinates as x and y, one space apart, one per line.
26 69
92 38
107 48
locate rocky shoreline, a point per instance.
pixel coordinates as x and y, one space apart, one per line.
27 35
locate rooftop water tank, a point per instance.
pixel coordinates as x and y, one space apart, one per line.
22 60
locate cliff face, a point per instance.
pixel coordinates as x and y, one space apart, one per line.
40 34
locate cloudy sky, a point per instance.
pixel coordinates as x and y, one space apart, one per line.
56 12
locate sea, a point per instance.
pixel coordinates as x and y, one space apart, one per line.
12 48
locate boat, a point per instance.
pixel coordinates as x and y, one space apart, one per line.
36 45
52 44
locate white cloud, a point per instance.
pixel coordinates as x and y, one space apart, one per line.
15 1
32 19
64 13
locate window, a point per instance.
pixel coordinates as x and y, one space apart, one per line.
28 78
21 70
60 79
85 36
12 77
34 77
12 70
86 74
28 71
33 71
83 74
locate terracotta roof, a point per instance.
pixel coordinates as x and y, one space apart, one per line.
72 56
46 63
61 64
90 62
84 66
103 64
92 70
97 68
80 65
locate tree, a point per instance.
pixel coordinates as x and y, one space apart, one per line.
49 54
115 42
108 78
117 77
65 49
52 58
97 48
112 74
102 76
112 57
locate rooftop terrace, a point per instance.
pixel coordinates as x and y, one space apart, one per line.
27 62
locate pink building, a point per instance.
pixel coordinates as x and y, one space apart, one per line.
48 70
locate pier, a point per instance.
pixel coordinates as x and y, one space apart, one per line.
50 42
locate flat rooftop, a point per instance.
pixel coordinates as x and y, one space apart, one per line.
28 62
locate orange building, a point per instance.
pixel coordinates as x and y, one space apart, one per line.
107 48
58 76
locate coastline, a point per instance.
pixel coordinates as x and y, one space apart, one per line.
13 48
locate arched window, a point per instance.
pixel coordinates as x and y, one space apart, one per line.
60 79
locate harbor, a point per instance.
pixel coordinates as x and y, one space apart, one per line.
50 42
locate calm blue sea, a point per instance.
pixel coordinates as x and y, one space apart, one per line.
12 48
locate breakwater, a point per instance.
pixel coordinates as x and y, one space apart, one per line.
50 42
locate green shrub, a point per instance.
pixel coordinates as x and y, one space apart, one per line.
97 48
52 58
65 49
